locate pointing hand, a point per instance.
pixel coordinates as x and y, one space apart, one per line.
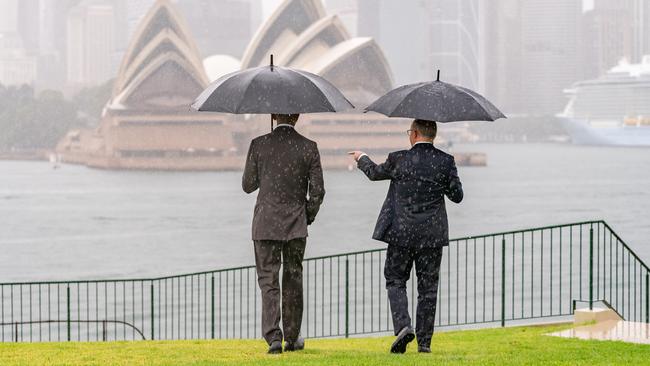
356 154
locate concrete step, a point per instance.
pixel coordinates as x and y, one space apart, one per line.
605 324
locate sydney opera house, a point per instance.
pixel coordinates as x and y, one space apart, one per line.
147 123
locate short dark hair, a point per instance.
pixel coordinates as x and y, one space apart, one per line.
426 128
286 118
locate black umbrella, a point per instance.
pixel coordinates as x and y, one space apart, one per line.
436 101
271 89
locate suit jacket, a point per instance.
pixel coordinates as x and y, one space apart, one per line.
414 214
285 166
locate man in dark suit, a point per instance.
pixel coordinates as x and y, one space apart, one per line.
285 166
413 221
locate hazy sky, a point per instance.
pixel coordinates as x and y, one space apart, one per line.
268 6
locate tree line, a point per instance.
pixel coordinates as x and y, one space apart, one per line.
31 120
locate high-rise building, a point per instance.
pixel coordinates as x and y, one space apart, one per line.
75 46
90 43
52 37
8 16
641 29
454 41
550 52
29 17
40 27
501 42
420 37
532 53
614 31
16 67
608 36
18 43
401 28
121 31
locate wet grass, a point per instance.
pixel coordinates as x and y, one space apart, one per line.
509 346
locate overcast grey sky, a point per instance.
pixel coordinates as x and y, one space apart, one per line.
268 6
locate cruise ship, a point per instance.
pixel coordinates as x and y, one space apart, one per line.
613 109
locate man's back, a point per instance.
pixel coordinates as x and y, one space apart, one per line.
414 211
285 166
413 221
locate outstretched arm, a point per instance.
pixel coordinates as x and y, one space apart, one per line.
250 180
454 190
371 170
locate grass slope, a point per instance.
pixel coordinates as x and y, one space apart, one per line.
509 346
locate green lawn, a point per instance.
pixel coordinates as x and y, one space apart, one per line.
509 346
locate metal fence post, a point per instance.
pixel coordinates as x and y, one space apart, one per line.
503 282
591 268
347 298
68 302
16 332
152 313
104 331
647 297
212 307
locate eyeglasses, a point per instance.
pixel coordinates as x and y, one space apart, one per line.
408 132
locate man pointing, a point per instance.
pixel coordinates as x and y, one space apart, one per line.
413 221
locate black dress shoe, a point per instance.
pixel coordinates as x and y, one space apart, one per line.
404 337
424 349
298 345
275 347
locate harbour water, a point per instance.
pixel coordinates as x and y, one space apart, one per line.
75 222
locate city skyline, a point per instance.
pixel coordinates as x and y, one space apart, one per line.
497 50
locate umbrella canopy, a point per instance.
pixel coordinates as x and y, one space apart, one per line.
436 101
271 89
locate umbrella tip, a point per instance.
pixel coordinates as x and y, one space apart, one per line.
437 77
271 61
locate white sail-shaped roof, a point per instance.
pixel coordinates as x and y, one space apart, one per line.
286 23
300 35
162 67
357 67
318 38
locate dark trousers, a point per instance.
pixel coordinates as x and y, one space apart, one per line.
269 255
399 261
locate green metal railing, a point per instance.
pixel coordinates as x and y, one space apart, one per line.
494 279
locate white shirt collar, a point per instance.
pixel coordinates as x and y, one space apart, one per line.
423 142
284 125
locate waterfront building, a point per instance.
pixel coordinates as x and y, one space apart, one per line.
16 66
147 123
321 44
